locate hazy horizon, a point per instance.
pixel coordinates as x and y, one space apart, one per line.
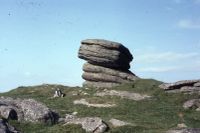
39 40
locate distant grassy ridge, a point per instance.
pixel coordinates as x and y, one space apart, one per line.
155 115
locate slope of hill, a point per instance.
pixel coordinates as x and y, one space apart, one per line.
158 113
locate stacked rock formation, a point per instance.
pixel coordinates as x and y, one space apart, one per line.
107 64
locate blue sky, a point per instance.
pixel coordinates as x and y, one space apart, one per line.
39 39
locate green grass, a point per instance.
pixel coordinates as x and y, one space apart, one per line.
155 115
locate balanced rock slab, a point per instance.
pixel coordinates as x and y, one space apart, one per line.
179 84
185 86
105 53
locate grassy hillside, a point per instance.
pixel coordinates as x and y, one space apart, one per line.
155 115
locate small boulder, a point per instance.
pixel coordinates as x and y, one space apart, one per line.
193 103
90 124
197 84
182 125
95 125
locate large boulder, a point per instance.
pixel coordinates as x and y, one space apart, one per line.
26 109
105 53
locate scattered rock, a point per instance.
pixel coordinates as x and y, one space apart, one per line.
6 128
118 123
198 109
87 88
74 113
90 124
123 94
193 103
85 94
26 109
108 63
84 102
189 130
186 86
70 117
78 93
182 125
